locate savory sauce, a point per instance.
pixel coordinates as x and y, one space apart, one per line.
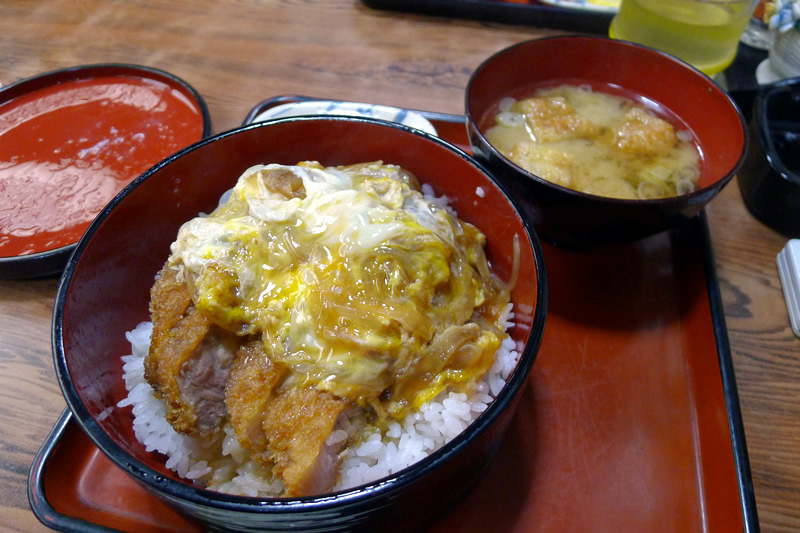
68 149
598 143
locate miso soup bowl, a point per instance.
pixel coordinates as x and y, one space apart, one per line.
575 219
104 292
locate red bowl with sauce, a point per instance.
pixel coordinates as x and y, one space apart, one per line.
70 140
689 99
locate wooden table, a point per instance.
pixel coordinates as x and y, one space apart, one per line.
239 52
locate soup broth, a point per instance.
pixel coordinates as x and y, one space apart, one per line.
597 142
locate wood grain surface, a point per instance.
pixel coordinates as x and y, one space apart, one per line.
239 52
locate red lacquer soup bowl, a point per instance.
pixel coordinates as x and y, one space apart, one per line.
70 140
691 100
105 292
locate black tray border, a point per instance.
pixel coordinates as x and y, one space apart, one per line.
741 458
529 14
37 496
697 227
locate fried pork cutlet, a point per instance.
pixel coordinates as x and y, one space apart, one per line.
251 384
204 376
189 359
286 427
297 424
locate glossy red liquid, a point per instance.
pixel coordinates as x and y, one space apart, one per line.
67 150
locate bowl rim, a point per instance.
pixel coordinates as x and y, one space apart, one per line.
51 262
183 490
697 193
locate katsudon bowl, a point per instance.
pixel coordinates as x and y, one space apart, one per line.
693 103
105 292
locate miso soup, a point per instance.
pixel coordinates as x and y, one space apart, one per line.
597 142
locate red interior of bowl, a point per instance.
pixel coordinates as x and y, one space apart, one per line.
108 290
97 128
699 102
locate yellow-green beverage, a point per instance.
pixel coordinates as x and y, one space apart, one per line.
704 33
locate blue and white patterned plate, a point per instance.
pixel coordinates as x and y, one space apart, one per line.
333 107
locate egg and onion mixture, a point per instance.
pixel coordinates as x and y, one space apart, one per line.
354 279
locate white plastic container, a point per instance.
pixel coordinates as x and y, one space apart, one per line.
789 271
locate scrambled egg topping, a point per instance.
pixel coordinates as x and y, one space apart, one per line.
353 278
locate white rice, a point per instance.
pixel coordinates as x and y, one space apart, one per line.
224 466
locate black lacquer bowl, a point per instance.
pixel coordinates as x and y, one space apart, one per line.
770 177
105 292
576 219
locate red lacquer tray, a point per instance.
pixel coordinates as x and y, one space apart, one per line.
630 422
